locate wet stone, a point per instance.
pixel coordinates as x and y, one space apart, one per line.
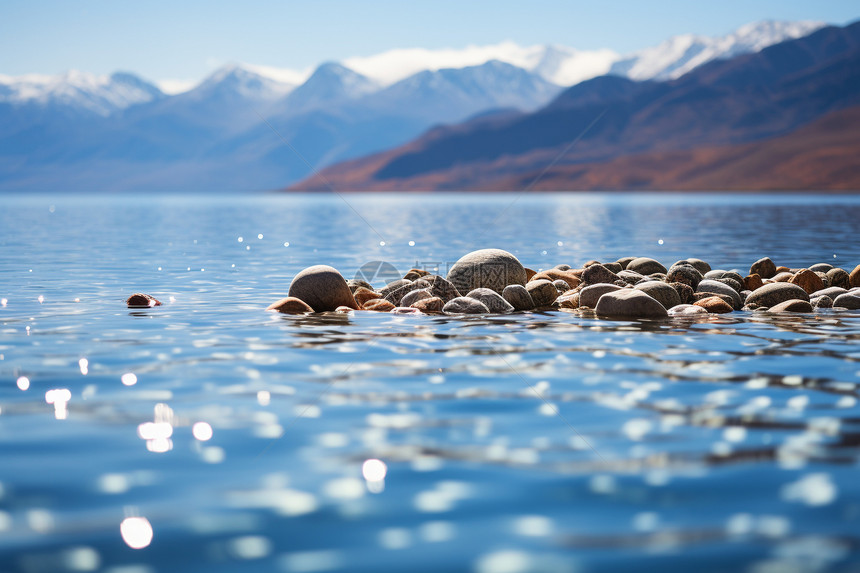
355 284
646 266
414 296
518 297
821 301
849 300
323 288
362 295
774 293
714 305
854 277
405 310
592 293
290 305
491 299
487 268
396 296
838 278
542 291
624 261
832 292
378 305
686 274
465 305
687 310
597 273
752 282
793 305
663 293
143 300
685 292
432 305
808 281
717 287
629 303
764 267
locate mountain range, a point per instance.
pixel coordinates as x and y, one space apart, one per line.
783 117
246 128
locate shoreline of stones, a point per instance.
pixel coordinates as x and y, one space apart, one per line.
493 281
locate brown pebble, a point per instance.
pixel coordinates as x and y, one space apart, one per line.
362 295
793 305
782 269
808 281
415 274
429 305
555 274
854 277
379 305
782 277
714 304
142 300
752 281
290 305
529 274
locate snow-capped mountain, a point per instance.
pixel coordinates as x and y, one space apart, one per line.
681 54
330 83
456 93
79 92
243 82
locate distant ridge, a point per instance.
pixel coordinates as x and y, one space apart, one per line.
759 105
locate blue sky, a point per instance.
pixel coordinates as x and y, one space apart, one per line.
186 40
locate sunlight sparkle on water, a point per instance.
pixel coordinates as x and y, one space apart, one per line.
129 379
84 365
202 431
3 301
23 383
136 532
374 470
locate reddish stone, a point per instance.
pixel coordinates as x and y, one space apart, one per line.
714 305
290 305
142 300
808 281
379 305
752 282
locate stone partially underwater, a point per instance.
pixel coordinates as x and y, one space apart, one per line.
493 281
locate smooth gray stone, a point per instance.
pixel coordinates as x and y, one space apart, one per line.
322 288
592 293
686 310
542 291
629 303
411 298
630 277
793 305
465 305
663 293
645 266
716 287
774 293
518 297
491 299
560 285
848 300
396 296
686 274
697 264
685 292
614 267
821 268
832 292
562 267
624 261
354 284
393 286
735 284
822 301
487 268
596 274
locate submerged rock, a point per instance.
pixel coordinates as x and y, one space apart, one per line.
774 293
379 305
488 268
629 303
793 305
142 300
518 297
493 300
465 305
432 305
323 288
290 305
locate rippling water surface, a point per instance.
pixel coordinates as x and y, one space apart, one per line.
218 437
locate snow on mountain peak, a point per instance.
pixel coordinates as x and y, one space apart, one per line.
90 93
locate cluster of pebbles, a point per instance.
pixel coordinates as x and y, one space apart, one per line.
494 282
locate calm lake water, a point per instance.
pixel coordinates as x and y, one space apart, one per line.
223 438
